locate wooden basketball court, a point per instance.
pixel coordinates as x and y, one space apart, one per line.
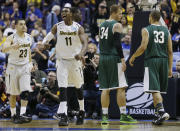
89 125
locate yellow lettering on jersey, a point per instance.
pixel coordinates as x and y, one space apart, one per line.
25 45
67 33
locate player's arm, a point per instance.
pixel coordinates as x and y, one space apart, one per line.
170 55
84 42
142 48
117 30
8 45
50 35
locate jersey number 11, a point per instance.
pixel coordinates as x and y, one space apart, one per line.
68 41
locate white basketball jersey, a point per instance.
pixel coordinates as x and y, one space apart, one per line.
68 42
21 55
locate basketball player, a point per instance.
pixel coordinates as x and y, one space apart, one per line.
70 47
18 69
157 44
112 65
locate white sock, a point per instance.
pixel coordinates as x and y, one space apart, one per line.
13 111
81 104
105 110
62 107
23 110
123 110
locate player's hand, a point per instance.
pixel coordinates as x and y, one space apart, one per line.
78 56
131 61
170 73
123 64
15 47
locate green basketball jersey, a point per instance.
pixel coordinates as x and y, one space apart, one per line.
106 44
158 42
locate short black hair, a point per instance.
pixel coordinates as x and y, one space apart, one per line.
17 20
68 8
155 15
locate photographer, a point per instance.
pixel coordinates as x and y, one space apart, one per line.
91 90
36 83
48 97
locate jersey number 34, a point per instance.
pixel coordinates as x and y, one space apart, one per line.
104 32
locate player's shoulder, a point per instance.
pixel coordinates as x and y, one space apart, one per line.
28 35
60 23
77 24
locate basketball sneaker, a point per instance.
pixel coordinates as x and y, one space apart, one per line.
160 118
15 119
25 119
63 120
104 119
127 119
80 118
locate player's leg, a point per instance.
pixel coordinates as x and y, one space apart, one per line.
105 101
25 88
104 86
77 79
158 100
13 90
62 77
121 95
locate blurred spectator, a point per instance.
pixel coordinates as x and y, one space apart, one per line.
166 18
41 55
10 30
38 33
2 55
175 18
2 39
37 3
36 83
5 22
32 15
99 16
178 66
14 12
130 14
126 45
125 26
49 97
52 18
4 104
176 41
91 88
36 74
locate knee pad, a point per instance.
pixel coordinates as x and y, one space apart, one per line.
80 94
24 95
63 94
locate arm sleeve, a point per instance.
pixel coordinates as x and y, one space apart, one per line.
117 43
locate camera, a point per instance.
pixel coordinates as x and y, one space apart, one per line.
43 91
89 57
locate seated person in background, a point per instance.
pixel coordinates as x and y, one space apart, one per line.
4 104
48 97
177 74
36 84
176 41
41 55
126 45
38 33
